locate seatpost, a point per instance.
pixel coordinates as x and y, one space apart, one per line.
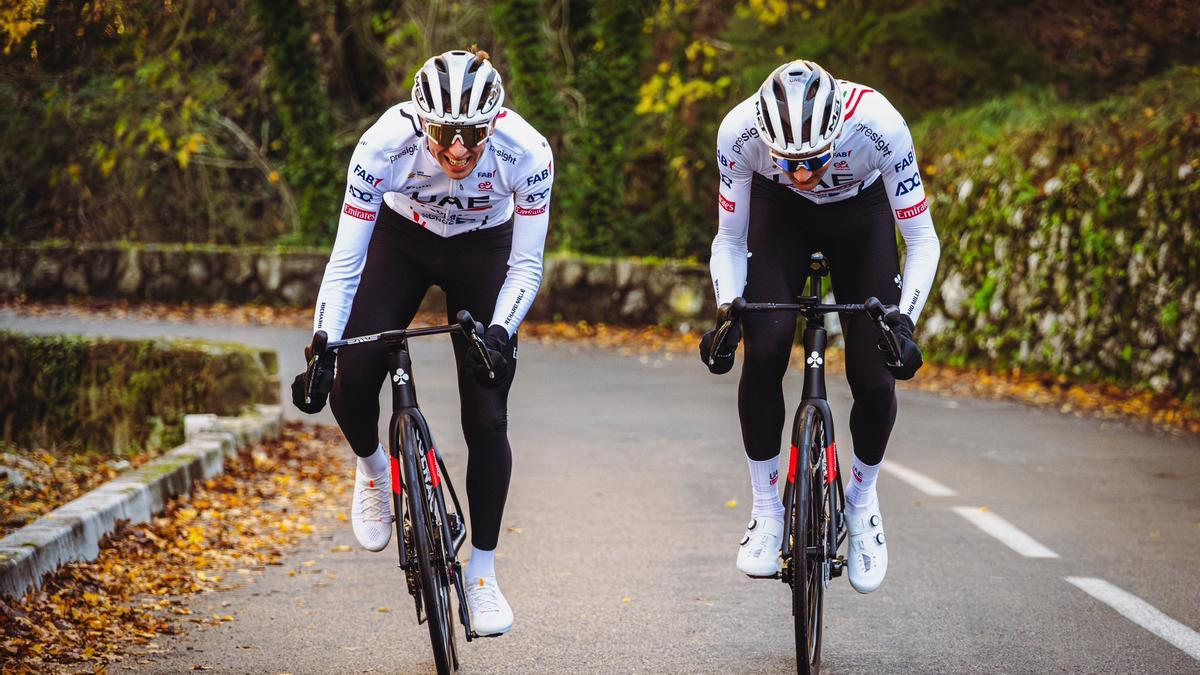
404 391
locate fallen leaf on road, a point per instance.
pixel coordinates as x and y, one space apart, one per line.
340 548
731 504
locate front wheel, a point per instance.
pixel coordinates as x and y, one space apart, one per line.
809 529
426 527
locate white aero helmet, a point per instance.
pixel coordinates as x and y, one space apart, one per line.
458 88
799 110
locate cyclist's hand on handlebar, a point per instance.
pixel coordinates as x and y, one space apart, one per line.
495 342
720 362
311 388
910 354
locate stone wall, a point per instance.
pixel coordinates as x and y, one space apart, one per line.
624 291
112 396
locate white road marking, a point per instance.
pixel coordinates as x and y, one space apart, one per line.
1142 613
918 480
1006 532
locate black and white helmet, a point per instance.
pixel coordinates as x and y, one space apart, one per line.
459 88
799 110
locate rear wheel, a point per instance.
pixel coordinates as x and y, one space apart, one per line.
809 532
427 545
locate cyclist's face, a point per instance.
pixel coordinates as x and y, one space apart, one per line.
456 160
806 180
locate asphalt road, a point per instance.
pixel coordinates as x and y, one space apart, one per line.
618 553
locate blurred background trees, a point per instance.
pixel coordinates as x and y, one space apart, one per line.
232 122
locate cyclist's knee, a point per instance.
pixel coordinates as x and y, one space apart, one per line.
873 390
484 425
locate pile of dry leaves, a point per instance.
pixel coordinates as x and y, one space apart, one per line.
229 528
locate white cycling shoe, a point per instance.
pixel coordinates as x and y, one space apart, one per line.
868 556
758 555
490 614
371 512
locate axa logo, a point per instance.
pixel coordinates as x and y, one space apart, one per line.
909 184
814 360
366 177
400 377
533 197
361 195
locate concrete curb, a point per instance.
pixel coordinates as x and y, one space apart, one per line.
74 531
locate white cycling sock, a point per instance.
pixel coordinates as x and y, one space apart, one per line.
375 464
862 483
764 481
481 564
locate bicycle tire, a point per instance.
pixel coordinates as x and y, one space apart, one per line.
808 558
435 589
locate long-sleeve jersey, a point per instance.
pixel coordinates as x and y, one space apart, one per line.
874 143
392 164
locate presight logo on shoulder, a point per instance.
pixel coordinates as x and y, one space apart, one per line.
503 155
881 143
407 150
366 177
746 135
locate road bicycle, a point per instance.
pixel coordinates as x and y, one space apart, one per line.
428 534
813 498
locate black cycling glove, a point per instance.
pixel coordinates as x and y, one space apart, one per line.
910 354
495 341
311 388
722 361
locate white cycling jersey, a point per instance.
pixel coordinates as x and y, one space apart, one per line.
874 142
392 164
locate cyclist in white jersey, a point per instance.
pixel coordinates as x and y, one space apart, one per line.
812 163
453 189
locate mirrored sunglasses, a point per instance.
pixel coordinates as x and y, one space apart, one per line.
810 163
446 134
